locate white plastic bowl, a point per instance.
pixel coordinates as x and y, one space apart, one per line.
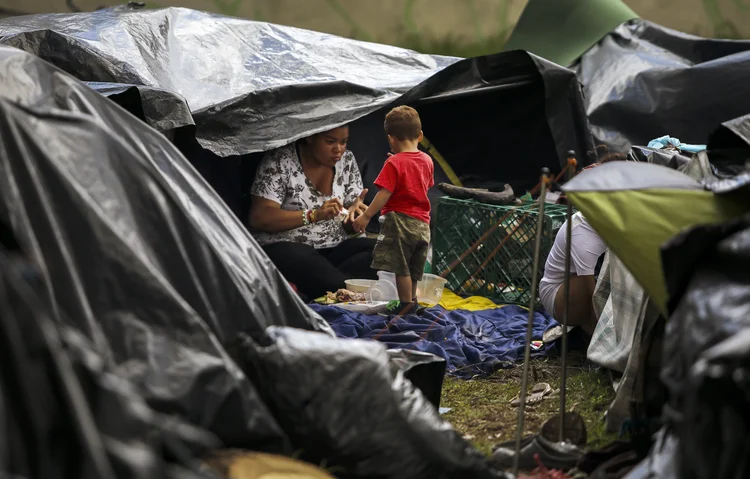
360 285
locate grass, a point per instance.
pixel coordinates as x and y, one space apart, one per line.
453 46
481 409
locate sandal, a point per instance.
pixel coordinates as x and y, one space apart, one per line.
538 393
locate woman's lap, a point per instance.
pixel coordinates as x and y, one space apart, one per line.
316 272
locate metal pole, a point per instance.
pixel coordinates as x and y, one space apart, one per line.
530 326
571 167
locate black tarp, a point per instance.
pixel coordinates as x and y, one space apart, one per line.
706 361
150 281
642 81
729 146
64 413
252 86
669 158
136 250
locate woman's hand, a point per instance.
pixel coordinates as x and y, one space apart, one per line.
329 210
357 208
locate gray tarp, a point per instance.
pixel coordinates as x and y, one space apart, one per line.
251 86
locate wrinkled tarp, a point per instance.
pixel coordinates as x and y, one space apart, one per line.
425 371
65 413
149 276
519 110
136 251
669 158
729 145
470 342
707 348
253 86
378 414
643 78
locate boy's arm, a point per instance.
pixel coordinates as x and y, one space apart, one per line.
377 203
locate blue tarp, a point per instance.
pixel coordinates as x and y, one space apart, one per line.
470 342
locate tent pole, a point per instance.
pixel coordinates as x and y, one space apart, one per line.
571 167
530 326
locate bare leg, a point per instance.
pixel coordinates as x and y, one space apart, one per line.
414 290
580 309
405 287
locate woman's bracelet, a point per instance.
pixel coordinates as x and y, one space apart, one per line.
305 217
312 216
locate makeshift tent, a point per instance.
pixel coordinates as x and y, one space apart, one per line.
149 282
637 207
641 80
251 86
706 353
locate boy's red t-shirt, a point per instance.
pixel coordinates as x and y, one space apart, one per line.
408 176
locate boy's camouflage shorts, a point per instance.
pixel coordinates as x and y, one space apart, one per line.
402 246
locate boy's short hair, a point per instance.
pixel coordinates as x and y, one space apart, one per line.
403 123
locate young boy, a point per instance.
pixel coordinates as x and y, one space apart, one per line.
403 182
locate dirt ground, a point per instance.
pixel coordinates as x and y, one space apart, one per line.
481 408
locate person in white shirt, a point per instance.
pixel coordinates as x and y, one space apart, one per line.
585 250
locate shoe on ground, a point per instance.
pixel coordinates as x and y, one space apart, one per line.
553 455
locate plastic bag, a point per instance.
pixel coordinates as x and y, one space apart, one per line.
341 402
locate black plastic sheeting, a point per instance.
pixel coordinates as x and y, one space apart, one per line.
253 86
150 281
64 413
136 250
729 146
388 419
669 158
706 362
425 371
499 118
643 81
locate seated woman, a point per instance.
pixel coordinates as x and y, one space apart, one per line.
585 250
297 196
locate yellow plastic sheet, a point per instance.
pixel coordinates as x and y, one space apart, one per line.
452 301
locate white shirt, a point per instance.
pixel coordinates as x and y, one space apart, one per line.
586 248
280 179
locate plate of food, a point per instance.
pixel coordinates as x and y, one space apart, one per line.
352 301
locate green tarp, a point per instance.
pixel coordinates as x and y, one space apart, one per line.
562 30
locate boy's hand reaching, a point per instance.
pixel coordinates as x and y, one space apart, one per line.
361 223
377 204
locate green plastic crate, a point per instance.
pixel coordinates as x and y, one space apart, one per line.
500 265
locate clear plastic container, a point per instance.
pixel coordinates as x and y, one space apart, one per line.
386 276
382 291
429 290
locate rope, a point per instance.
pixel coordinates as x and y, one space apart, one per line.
441 161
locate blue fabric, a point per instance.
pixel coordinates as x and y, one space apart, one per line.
470 342
665 141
